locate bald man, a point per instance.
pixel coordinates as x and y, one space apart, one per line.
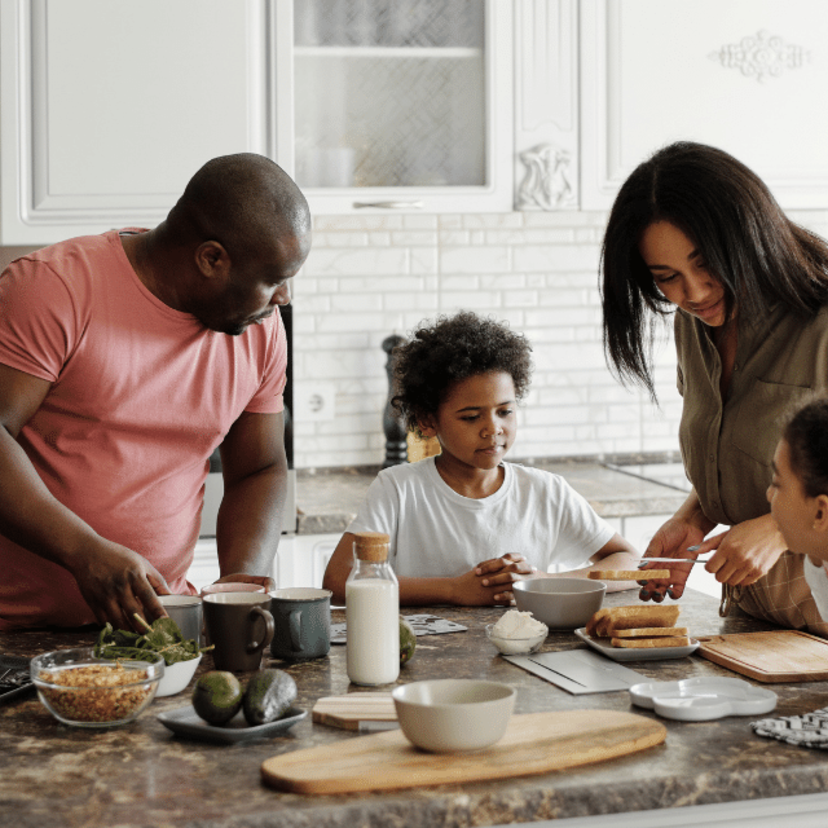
125 360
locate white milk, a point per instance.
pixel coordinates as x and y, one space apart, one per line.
372 616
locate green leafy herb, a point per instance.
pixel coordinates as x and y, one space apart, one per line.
163 637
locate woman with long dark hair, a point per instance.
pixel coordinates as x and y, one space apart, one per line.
695 233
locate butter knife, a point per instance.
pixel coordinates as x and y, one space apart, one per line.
673 560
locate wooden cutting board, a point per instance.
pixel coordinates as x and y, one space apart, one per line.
534 743
775 656
350 710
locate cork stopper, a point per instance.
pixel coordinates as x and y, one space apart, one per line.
371 546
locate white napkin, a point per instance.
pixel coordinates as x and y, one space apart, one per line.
808 730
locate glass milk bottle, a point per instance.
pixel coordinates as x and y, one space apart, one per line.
372 613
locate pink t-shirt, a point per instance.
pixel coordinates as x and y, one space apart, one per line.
141 396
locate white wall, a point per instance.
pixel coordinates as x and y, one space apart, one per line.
371 276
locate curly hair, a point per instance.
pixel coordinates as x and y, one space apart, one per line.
806 434
450 350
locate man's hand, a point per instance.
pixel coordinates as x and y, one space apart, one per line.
117 583
243 578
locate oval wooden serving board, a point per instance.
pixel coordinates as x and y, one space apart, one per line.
534 743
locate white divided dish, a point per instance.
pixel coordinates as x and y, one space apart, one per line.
703 699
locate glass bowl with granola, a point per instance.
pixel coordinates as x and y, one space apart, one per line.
79 689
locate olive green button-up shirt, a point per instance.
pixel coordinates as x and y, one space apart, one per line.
727 444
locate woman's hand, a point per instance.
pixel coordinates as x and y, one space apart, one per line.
672 540
745 552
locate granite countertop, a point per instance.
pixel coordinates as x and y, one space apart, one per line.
328 499
142 774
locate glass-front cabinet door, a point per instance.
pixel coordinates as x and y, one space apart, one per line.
402 104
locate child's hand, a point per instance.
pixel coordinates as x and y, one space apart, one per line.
498 575
511 562
490 583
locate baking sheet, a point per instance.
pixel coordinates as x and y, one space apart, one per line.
578 671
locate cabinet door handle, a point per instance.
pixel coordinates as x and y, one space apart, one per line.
390 205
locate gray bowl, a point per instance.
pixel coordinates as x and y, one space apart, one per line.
447 715
561 603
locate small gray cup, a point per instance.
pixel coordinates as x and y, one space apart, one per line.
186 611
302 617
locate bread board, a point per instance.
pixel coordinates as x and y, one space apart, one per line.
534 743
353 710
771 657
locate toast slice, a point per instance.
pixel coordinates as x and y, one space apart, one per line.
644 643
629 574
631 617
650 632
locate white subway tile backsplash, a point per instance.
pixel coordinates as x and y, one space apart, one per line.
475 259
372 276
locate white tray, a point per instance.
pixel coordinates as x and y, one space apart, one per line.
636 653
704 698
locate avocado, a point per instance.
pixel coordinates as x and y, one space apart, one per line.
268 696
217 697
408 641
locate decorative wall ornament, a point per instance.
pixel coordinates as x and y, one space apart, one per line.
546 183
761 56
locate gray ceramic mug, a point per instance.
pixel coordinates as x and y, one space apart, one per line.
185 610
302 619
240 626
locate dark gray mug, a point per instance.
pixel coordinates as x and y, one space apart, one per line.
240 627
302 620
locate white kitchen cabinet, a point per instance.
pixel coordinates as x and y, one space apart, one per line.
107 107
746 75
546 105
402 105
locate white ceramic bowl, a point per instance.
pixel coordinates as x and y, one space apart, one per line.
447 715
177 676
516 646
561 603
78 688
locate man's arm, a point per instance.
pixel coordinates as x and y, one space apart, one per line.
115 581
249 524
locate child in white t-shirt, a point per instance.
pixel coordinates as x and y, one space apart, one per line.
465 525
798 494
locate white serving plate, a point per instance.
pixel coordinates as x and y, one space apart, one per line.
702 699
637 653
186 722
